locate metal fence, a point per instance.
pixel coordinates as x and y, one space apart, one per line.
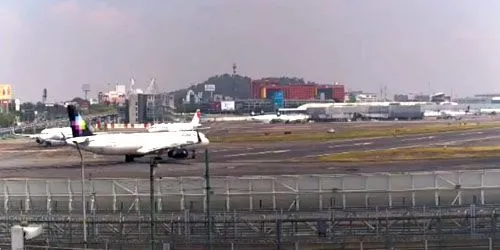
402 227
290 193
417 209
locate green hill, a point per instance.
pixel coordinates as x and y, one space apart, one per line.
237 87
227 85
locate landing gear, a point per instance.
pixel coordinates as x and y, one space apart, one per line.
129 158
181 153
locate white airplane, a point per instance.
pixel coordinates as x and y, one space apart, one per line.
178 126
52 136
133 145
292 118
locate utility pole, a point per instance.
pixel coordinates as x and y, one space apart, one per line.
208 193
152 168
84 208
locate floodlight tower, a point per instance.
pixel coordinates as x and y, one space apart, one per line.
44 96
86 90
234 79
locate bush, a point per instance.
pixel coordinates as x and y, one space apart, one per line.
7 120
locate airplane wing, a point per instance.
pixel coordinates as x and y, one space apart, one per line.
202 128
164 145
28 135
153 148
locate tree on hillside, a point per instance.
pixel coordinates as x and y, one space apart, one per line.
284 80
227 85
7 120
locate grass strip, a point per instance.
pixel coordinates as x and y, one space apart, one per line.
408 154
355 133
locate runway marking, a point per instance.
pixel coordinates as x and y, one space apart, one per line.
368 150
350 145
362 143
418 139
468 140
318 155
220 150
260 153
31 151
472 133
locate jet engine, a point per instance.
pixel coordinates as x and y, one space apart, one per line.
178 153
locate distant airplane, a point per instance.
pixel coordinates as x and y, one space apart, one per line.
133 145
178 126
51 136
278 117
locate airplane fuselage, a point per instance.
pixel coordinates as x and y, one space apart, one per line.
53 136
132 144
282 118
173 127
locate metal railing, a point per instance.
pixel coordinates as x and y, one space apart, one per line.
288 192
404 227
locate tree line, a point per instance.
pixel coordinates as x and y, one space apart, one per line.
30 112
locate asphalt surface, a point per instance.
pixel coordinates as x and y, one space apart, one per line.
287 150
27 159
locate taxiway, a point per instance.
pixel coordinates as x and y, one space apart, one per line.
22 158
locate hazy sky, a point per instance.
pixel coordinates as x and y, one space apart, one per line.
405 44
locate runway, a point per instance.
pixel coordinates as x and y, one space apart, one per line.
287 150
28 160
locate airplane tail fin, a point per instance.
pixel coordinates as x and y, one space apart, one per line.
196 117
79 127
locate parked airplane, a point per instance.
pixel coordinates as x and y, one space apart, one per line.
52 136
278 117
178 126
133 145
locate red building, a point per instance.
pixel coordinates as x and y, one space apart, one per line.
257 85
265 89
331 92
290 92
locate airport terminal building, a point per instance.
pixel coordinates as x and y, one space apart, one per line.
359 111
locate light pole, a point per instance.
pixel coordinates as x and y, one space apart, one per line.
208 194
83 196
152 166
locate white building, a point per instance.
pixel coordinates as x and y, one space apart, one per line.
366 97
117 96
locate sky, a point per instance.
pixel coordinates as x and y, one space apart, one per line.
409 46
